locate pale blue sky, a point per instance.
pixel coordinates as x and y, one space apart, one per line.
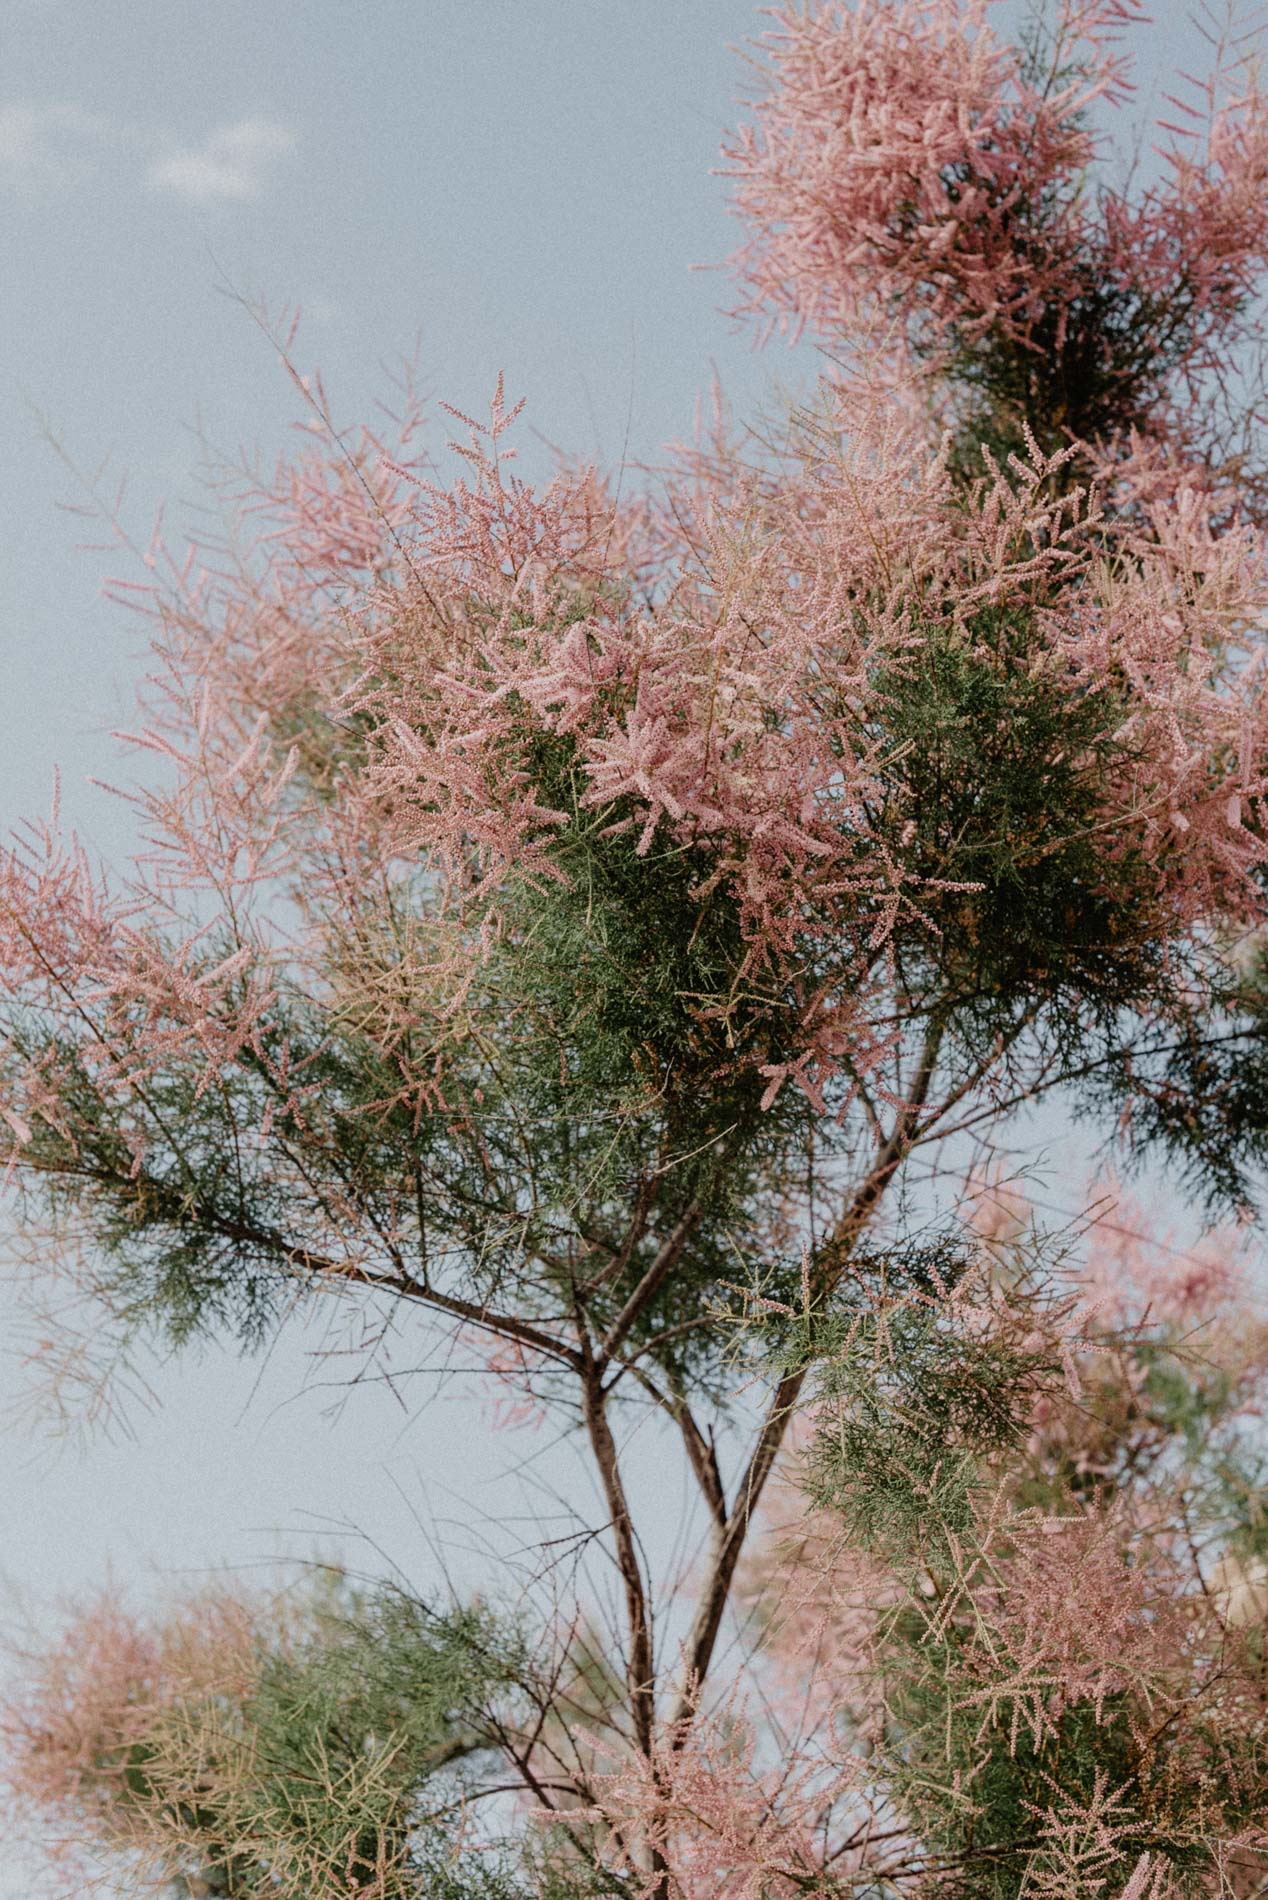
524 184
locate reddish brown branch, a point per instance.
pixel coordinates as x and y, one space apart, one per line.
640 1663
827 1268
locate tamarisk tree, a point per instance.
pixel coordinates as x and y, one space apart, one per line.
571 919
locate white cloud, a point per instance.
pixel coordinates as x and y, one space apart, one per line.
43 135
230 164
56 143
21 139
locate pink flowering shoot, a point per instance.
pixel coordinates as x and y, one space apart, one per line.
592 929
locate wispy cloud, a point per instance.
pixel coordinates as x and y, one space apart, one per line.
231 164
23 140
40 136
54 142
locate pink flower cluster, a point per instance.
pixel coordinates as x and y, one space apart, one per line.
896 157
906 164
360 733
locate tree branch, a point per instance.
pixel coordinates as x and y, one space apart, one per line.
649 1285
827 1268
189 1210
640 1663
